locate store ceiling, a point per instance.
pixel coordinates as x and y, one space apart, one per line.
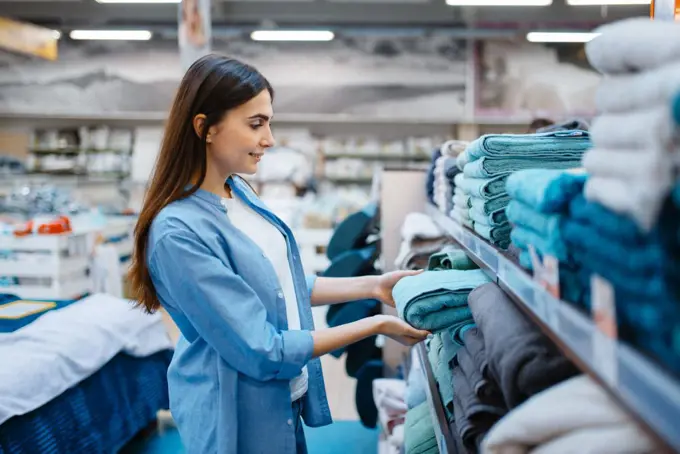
65 14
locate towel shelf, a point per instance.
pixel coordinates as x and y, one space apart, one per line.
649 393
442 430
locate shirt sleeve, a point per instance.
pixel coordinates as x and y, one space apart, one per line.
226 311
311 280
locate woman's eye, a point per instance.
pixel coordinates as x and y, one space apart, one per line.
256 125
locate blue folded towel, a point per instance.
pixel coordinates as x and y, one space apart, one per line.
519 214
499 235
436 300
605 221
488 168
485 188
556 145
545 245
491 205
495 218
547 191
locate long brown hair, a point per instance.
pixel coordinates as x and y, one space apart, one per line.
212 86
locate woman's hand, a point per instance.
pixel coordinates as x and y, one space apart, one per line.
397 329
385 283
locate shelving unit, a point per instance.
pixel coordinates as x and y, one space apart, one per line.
649 393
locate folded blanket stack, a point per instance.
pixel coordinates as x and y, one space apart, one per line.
631 160
490 159
614 247
445 169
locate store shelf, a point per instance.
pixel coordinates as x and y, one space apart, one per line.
650 394
378 157
45 266
441 427
73 288
350 180
75 151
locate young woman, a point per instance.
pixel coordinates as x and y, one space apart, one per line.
228 272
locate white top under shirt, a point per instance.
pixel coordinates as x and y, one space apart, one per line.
274 247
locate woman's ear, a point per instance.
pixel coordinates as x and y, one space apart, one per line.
199 124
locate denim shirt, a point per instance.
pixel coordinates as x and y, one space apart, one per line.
230 375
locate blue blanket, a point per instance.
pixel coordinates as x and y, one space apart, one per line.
547 191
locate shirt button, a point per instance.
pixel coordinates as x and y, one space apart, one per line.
280 295
290 422
264 255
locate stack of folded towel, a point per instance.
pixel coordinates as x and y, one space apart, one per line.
451 258
461 203
489 160
633 262
630 163
437 300
419 437
445 169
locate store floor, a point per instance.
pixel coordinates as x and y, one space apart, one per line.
346 434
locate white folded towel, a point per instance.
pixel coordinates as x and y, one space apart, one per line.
462 159
573 406
638 91
453 148
633 45
462 201
646 166
456 216
460 192
639 199
634 130
458 179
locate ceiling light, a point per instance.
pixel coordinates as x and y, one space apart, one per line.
56 34
123 35
607 2
499 2
292 35
139 1
561 37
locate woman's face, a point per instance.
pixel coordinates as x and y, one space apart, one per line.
238 142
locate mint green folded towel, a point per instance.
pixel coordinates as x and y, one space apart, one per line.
458 179
556 145
485 188
436 300
491 167
450 258
419 436
489 206
495 218
461 201
460 219
500 236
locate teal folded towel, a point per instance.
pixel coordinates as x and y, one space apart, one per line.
451 258
499 235
495 218
543 224
436 300
458 190
458 179
488 167
485 188
462 160
544 244
489 206
462 201
557 145
419 436
547 191
460 219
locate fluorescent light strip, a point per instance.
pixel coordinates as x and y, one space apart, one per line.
292 35
499 2
561 37
607 2
111 35
56 34
139 1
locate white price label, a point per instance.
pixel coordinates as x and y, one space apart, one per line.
605 338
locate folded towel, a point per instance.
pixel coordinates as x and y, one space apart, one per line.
416 392
632 45
639 129
454 147
525 217
487 168
436 300
547 191
462 160
521 359
451 258
584 408
494 218
639 200
443 375
483 386
629 92
606 222
461 202
489 206
419 436
558 145
545 245
500 235
451 170
462 211
647 164
458 179
485 188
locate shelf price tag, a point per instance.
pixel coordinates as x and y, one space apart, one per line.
547 277
605 355
489 256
